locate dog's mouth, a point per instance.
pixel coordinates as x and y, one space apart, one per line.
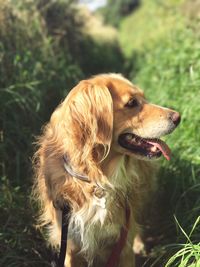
146 147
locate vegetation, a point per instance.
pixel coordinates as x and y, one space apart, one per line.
114 11
45 49
48 46
163 57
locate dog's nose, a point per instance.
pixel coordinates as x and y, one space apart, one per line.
175 117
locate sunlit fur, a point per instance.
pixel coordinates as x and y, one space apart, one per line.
85 127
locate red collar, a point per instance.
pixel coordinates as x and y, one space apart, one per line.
113 260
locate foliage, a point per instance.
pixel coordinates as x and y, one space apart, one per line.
189 254
114 11
163 56
45 49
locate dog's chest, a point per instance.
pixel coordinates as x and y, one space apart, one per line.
99 222
97 229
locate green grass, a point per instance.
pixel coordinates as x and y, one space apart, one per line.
42 56
161 45
150 22
20 243
188 253
45 49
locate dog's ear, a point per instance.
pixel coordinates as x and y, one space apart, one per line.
91 113
80 129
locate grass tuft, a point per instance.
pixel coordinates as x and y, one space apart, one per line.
188 253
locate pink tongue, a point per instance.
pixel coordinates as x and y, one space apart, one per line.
163 147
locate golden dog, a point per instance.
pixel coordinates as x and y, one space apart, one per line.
96 155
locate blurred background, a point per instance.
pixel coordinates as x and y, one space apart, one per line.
46 47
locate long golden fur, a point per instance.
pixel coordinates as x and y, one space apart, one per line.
86 128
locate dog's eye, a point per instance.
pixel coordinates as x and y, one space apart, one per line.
132 103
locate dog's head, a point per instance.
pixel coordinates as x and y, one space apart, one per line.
101 119
138 124
108 112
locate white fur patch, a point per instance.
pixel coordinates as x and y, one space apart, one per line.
101 202
88 227
83 224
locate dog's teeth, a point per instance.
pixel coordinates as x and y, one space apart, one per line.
153 149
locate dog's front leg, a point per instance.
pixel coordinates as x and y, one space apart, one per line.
73 256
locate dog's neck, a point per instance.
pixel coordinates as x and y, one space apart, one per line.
116 169
111 163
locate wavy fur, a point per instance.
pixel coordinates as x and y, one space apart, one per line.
85 128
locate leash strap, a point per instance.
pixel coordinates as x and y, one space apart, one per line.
60 261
